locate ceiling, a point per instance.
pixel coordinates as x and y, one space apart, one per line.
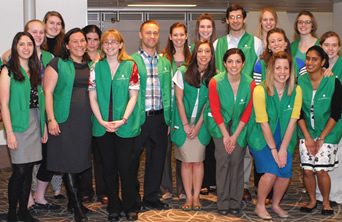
249 5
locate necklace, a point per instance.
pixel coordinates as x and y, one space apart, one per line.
113 71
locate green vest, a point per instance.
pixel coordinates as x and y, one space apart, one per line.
46 57
178 135
264 68
19 104
192 46
277 111
164 74
63 89
0 62
295 47
120 96
322 108
246 44
230 110
337 69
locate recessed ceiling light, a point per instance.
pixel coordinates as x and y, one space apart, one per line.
160 5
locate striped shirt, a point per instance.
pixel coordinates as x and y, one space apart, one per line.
153 96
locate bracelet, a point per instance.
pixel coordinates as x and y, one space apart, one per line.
319 138
124 120
50 120
185 124
273 148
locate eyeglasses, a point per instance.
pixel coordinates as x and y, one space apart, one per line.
307 22
233 17
107 43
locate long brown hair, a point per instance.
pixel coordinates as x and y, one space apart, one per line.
170 50
59 37
269 83
33 63
266 55
192 76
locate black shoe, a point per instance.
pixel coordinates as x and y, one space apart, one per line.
158 205
27 217
47 206
11 217
132 216
327 212
222 212
307 209
59 196
114 217
246 195
234 211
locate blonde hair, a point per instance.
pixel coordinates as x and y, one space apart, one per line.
119 38
27 25
273 12
269 83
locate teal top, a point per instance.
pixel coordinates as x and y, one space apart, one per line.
296 53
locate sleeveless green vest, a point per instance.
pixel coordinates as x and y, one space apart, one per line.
19 104
246 44
46 57
295 47
230 110
164 73
337 69
120 96
277 111
322 108
63 89
178 135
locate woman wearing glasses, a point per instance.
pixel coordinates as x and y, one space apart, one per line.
305 26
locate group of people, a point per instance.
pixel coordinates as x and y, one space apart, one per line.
215 100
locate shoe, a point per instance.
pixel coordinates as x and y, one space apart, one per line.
307 209
182 196
282 215
263 217
222 212
87 199
3 216
47 206
332 203
114 217
132 216
59 196
197 207
158 205
246 195
11 217
104 200
27 217
212 189
166 196
234 211
186 207
327 212
33 210
204 191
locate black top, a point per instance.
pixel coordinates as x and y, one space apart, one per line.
51 42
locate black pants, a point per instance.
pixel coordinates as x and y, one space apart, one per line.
209 164
153 137
43 174
86 186
118 158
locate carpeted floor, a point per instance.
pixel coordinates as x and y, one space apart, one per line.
293 199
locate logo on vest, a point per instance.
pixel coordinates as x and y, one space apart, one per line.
289 108
246 46
165 69
242 101
324 97
122 77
